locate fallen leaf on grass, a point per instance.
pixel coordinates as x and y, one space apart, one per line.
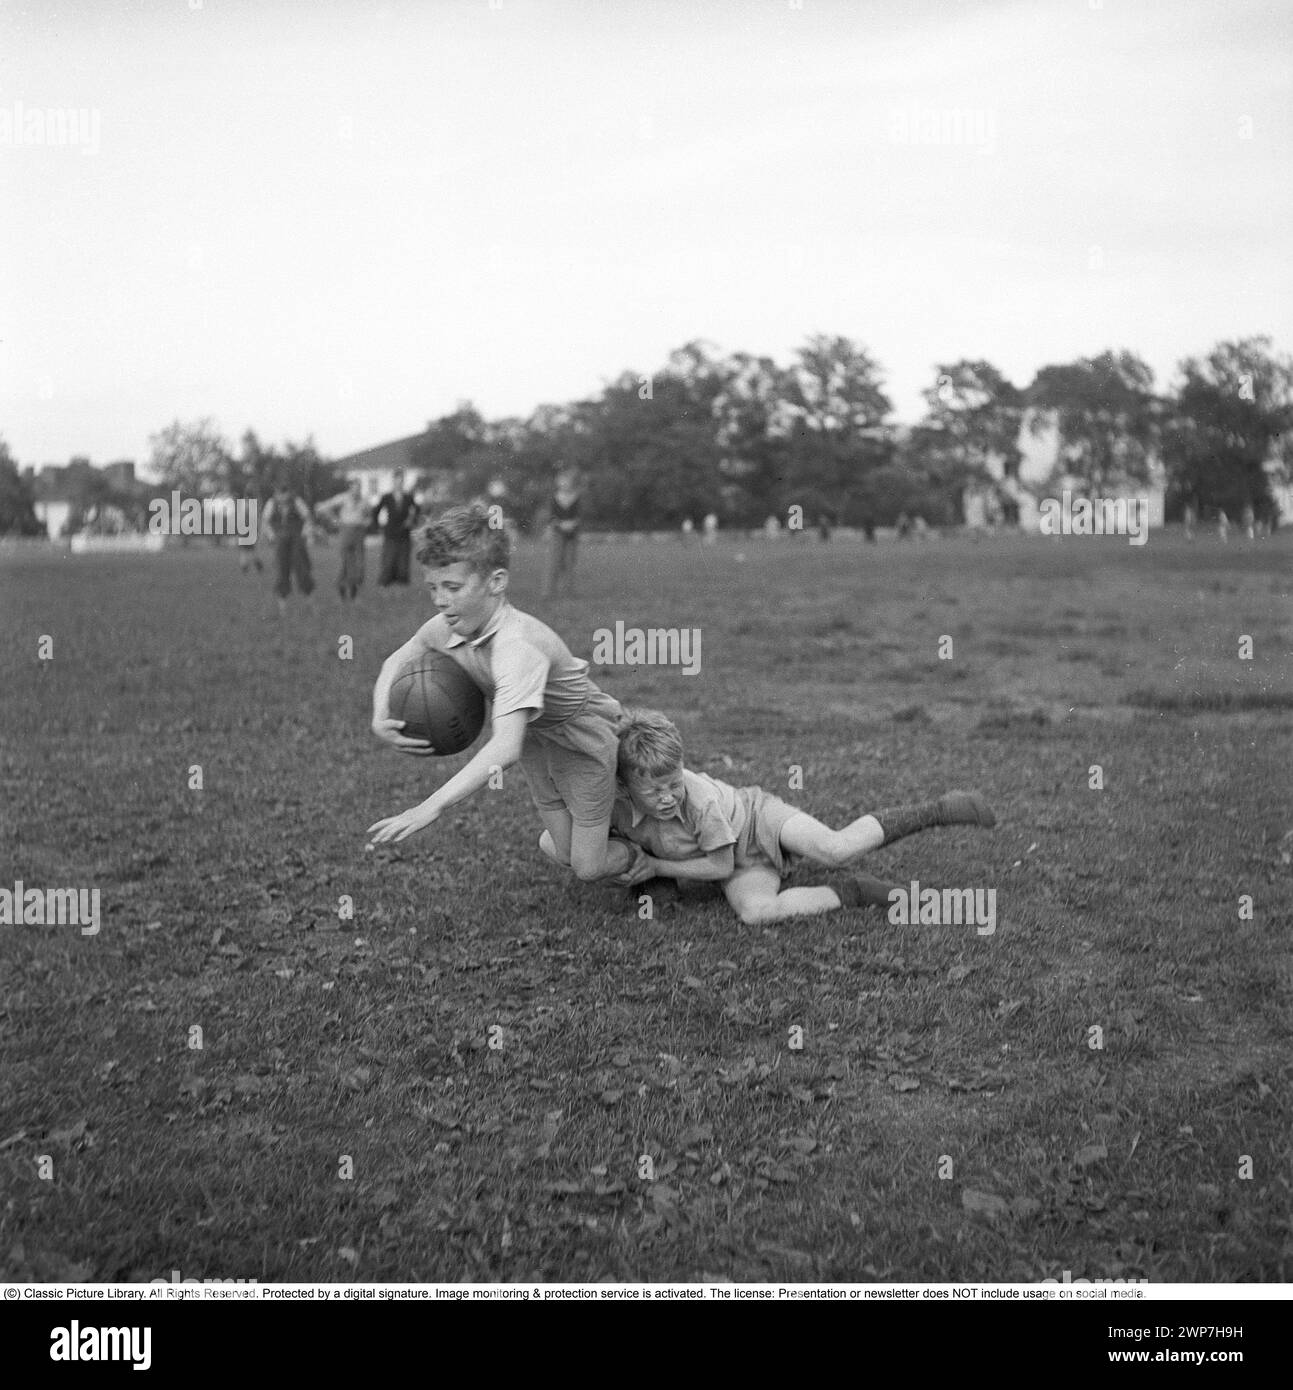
735 1075
69 1135
986 1081
697 1134
800 1258
986 1204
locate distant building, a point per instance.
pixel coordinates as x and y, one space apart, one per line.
121 474
1281 493
53 500
57 498
1014 498
375 467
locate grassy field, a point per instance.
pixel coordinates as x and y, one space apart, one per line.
1117 908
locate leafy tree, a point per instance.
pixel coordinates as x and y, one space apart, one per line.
1107 416
17 501
755 423
1229 426
446 442
977 411
838 407
307 473
193 458
554 437
896 487
253 472
655 443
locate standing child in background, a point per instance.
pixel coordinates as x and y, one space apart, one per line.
695 827
564 525
396 513
287 519
352 516
546 714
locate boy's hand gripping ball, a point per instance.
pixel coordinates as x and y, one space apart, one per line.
439 702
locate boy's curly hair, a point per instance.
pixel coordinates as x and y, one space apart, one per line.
464 533
650 744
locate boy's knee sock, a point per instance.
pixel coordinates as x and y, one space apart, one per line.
955 808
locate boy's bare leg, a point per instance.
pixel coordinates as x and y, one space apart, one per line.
587 850
806 836
548 846
754 893
594 856
557 828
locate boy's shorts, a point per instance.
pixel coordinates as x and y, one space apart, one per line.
759 840
571 766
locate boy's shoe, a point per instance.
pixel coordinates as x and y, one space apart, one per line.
866 892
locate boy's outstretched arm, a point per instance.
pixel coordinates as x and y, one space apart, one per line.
503 749
714 867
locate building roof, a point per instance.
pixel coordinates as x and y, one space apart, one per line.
380 458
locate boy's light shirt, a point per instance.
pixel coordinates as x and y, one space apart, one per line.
710 816
519 662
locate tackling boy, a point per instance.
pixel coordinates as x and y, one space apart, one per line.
695 827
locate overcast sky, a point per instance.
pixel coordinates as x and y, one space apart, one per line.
341 217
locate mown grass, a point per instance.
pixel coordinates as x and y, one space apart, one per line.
619 1038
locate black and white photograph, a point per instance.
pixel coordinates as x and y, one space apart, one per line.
647 652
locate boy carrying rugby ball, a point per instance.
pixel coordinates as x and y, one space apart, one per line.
545 712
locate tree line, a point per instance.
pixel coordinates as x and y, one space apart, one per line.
746 437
